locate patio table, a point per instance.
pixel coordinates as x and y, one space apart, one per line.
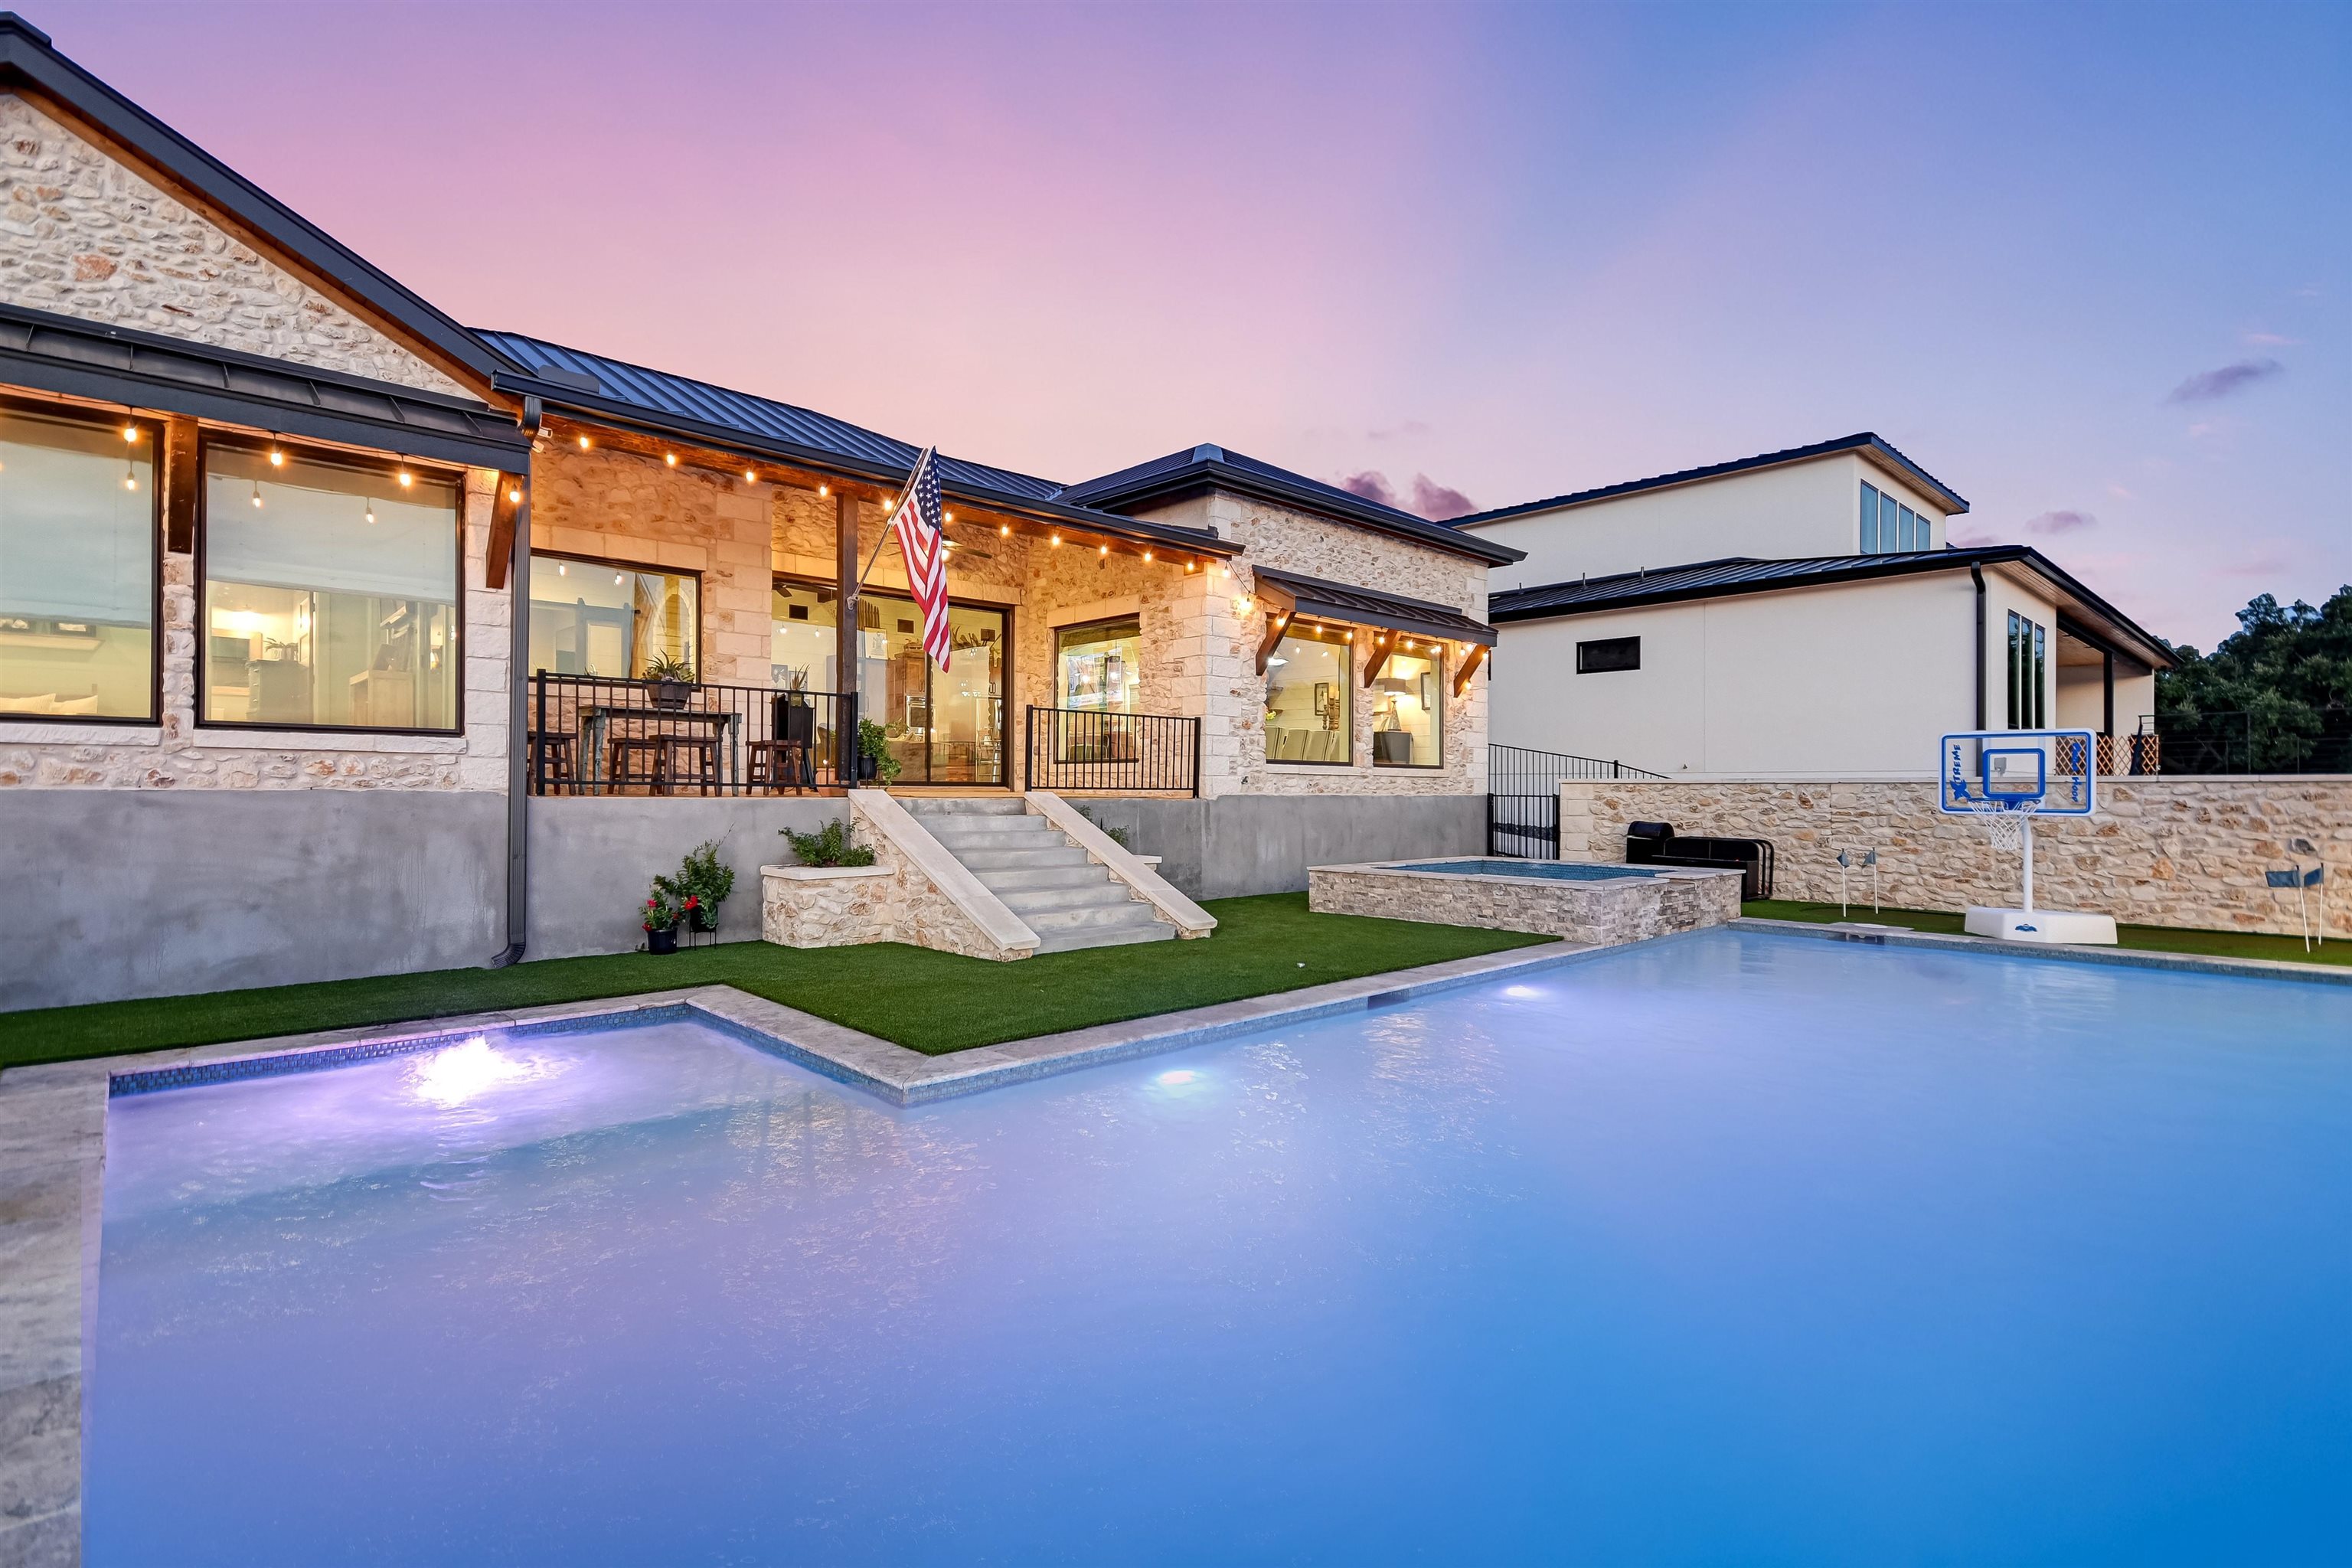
597 720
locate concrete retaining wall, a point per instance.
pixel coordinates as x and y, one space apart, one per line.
119 893
2174 851
592 861
1240 844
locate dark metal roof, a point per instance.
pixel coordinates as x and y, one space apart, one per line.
1206 467
1316 599
29 64
76 358
1865 441
616 392
1743 574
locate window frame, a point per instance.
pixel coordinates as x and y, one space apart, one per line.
1055 685
1867 538
75 413
1584 669
1435 658
390 467
618 565
1346 640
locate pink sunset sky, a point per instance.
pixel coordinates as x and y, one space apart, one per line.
2089 266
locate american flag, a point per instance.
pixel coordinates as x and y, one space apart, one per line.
918 520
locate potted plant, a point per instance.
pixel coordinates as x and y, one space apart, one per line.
874 758
660 922
671 679
701 885
795 714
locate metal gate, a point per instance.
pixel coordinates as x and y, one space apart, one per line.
1523 798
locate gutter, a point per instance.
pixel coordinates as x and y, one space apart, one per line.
1976 575
519 718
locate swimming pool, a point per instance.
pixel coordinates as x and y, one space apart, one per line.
1736 1247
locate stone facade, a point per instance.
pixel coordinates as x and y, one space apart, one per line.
891 900
1598 914
176 754
2161 851
81 235
1232 621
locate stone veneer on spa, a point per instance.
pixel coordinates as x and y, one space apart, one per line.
1599 913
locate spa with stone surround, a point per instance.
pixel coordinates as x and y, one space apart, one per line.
1598 906
325 613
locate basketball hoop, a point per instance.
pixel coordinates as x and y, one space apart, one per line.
2005 826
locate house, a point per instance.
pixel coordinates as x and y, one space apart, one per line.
1798 614
329 625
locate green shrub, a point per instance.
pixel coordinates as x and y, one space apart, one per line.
829 846
873 741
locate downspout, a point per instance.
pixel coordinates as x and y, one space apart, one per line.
519 718
1976 575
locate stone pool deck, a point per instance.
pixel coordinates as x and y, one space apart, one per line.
1604 912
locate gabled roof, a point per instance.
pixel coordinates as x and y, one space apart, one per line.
1865 443
1205 467
615 391
1736 574
30 65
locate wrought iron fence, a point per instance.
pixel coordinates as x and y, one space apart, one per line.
1077 748
1523 796
599 735
2243 743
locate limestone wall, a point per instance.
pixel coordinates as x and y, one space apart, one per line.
82 234
2161 851
1598 914
176 754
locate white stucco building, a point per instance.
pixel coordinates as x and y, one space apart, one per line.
1800 613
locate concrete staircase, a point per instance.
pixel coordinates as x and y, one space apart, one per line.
1067 900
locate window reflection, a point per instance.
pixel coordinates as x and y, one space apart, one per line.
943 726
1308 703
77 567
608 618
1408 710
1100 667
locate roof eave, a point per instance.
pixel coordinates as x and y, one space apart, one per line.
557 398
1865 442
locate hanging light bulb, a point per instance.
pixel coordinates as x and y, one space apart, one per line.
670 457
406 478
563 569
257 492
130 474
584 443
277 458
751 476
1057 542
130 431
1004 529
514 494
371 508
1147 558
1191 566
619 578
1102 549
825 489
947 517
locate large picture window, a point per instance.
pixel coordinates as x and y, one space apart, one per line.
943 726
1409 710
77 544
603 617
1099 668
1309 711
330 593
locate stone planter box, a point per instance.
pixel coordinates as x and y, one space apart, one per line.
1626 906
826 906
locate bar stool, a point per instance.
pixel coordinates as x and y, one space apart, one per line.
780 765
627 751
687 760
554 761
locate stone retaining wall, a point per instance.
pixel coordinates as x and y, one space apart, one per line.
1601 914
2161 851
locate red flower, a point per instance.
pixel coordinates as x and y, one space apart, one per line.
692 902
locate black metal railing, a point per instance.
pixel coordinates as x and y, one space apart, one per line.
1523 796
1075 748
2243 743
594 735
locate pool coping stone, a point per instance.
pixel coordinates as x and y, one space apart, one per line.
1876 935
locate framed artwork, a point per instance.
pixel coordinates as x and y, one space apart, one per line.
1322 698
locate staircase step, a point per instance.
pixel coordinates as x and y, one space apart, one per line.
985 829
979 861
1071 941
1026 902
1096 917
1014 878
960 805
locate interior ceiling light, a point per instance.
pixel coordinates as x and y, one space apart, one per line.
257 492
369 514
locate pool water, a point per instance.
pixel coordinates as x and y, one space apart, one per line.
1736 1247
1541 870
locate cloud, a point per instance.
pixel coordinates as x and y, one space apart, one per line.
1969 540
1426 497
2207 385
2120 492
2065 521
2266 340
1438 502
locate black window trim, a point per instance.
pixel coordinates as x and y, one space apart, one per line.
1346 640
206 439
1583 668
72 412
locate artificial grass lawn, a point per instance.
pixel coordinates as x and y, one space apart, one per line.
934 1002
2151 939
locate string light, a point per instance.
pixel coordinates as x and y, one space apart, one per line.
1057 542
130 431
514 494
1147 558
584 443
751 476
670 457
825 489
1004 529
277 458
1102 549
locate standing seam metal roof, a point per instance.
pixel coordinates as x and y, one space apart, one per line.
659 392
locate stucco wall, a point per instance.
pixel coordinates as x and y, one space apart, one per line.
2160 851
1852 680
119 893
1804 508
84 235
1235 845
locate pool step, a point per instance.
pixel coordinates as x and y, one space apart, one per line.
1069 900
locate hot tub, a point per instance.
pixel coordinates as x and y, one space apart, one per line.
1599 905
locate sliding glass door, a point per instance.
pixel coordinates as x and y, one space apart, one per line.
943 726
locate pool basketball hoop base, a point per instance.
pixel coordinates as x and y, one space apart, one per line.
2070 926
2007 778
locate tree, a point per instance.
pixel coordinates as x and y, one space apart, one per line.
2284 681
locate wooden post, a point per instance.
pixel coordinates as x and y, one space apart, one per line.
505 506
182 481
1469 668
1383 645
845 565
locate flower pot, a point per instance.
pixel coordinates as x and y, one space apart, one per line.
865 765
703 919
671 693
662 940
795 720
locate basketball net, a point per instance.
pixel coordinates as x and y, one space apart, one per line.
2006 826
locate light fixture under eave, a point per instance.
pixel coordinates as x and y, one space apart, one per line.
405 477
1102 549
